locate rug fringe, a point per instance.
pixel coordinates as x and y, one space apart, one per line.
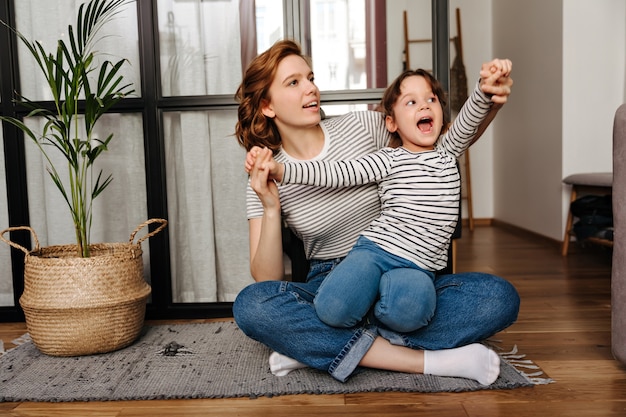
25 338
515 359
523 364
540 381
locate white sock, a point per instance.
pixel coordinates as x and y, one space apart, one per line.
281 365
473 361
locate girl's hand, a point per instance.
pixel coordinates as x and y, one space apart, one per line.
495 79
251 158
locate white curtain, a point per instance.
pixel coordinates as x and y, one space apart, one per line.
206 196
200 47
6 279
200 44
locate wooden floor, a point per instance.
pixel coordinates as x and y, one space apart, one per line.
563 326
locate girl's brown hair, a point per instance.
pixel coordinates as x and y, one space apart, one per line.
391 94
253 128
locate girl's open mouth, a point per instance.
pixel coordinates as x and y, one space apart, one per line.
425 125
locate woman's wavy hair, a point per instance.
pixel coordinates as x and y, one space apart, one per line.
253 128
391 94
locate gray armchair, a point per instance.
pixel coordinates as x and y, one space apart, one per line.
618 275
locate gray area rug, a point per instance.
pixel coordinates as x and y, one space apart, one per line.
209 360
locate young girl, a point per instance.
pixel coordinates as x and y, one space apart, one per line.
393 264
279 109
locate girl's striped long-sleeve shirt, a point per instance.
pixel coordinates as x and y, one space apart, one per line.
419 191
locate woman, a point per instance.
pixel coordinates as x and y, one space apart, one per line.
280 109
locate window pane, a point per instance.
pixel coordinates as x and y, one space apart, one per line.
206 187
6 279
120 208
269 23
47 21
348 41
199 47
205 44
338 44
359 44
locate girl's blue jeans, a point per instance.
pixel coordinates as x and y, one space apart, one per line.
280 314
402 294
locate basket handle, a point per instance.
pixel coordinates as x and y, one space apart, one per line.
144 224
15 245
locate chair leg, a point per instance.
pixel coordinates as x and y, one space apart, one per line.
453 256
568 224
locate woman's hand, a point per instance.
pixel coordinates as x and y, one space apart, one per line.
260 181
495 79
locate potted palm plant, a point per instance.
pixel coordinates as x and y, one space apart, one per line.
80 298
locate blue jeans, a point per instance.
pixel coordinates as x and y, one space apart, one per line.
402 294
280 314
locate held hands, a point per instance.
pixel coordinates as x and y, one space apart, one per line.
263 170
263 159
495 79
264 187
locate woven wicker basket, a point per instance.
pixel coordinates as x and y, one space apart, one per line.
81 306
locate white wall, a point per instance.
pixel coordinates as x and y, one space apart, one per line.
568 58
594 55
527 152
